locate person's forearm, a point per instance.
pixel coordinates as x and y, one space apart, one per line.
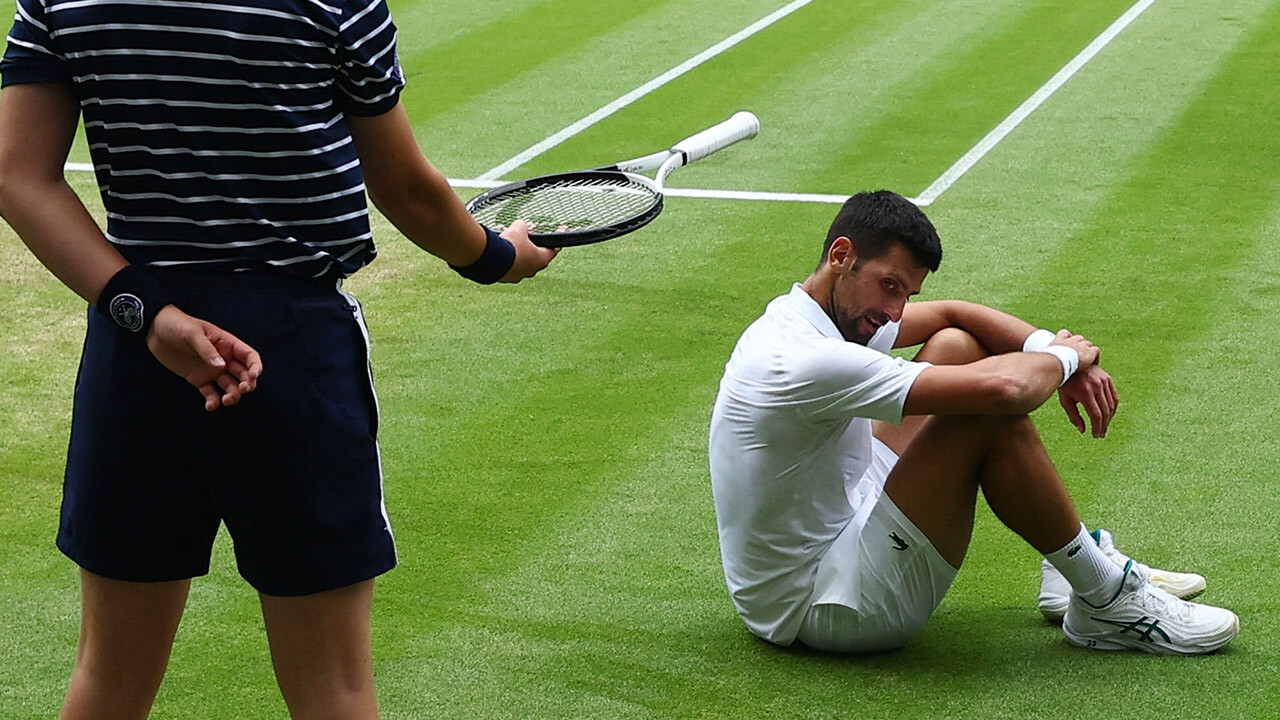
55 225
426 210
1007 384
998 331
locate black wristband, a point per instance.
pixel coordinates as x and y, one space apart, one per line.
131 299
494 263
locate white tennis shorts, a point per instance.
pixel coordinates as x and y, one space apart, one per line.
881 578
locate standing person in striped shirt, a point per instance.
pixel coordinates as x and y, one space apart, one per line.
233 142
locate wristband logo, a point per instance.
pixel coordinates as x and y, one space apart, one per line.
126 310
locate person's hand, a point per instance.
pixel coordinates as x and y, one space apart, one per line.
1093 388
1088 352
220 365
530 258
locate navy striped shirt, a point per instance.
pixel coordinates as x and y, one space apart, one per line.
217 129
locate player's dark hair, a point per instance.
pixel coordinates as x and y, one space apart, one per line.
874 221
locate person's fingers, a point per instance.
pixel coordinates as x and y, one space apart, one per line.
1073 413
230 388
238 371
242 353
545 256
517 229
241 373
211 396
199 342
251 360
1104 392
531 258
1115 395
1095 415
1108 410
1088 353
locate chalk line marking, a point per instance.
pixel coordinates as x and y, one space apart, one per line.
984 146
489 179
481 184
666 77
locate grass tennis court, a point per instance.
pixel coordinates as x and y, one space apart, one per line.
544 445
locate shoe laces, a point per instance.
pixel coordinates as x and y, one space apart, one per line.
1160 602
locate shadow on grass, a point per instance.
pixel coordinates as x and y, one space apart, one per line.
992 662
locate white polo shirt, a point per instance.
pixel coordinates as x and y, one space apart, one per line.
791 428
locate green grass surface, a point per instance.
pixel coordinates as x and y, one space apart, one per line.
544 444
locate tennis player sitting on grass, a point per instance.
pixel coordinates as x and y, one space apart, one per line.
845 479
233 145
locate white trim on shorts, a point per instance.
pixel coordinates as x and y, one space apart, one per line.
377 410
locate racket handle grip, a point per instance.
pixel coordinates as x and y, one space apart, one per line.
741 126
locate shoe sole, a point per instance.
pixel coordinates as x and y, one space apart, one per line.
1152 647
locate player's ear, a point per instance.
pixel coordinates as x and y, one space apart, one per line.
842 253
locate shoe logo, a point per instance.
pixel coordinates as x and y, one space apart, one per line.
1072 552
899 543
1142 628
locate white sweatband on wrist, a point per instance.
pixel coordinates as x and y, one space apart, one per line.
1037 341
1069 358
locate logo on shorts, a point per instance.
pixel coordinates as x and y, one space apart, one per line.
126 310
899 543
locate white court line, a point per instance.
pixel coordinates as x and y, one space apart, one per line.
931 193
654 84
754 195
482 184
961 166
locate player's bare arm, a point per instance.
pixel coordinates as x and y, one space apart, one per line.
998 331
1007 384
417 199
1090 387
37 125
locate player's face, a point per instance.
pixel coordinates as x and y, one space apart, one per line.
874 292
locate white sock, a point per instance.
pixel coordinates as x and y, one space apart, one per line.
1092 575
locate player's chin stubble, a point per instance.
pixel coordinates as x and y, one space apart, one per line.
848 324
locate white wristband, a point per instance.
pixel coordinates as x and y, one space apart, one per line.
1037 341
1069 358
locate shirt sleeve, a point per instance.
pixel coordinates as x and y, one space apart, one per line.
885 337
30 56
369 75
840 380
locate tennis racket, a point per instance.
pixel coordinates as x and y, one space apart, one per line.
588 206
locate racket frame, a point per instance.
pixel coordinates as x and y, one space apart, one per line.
570 238
741 126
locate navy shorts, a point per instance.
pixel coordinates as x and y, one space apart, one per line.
293 469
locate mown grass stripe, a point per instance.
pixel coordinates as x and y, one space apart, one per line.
508 117
628 98
450 74
1020 113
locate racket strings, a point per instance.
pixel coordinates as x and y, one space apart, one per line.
569 205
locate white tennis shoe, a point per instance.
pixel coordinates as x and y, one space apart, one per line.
1144 617
1055 591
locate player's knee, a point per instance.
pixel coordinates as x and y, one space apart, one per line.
952 346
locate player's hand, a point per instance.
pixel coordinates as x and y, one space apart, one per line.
220 365
1094 389
530 258
1088 352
